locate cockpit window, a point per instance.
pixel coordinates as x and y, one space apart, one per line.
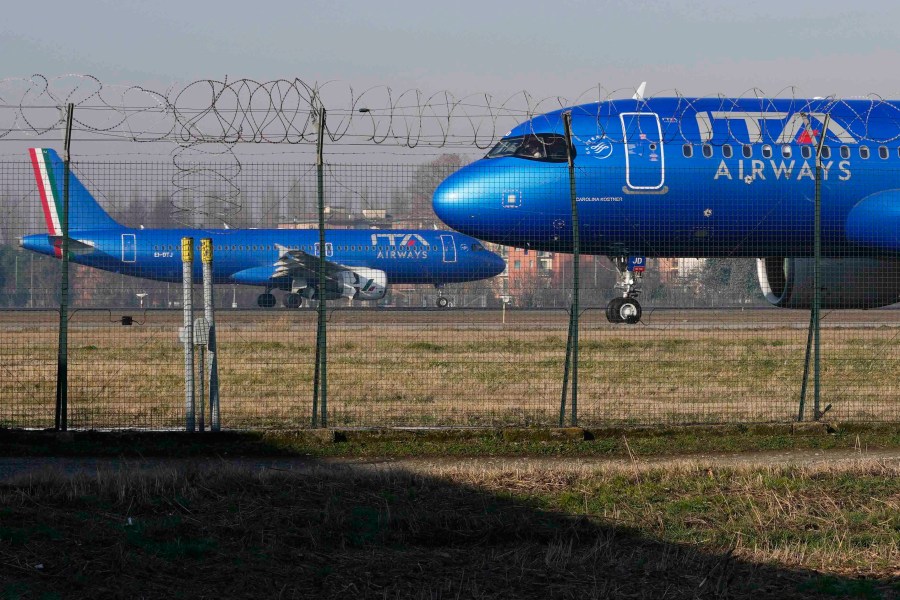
476 247
547 147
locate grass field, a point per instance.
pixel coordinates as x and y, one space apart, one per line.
455 368
689 531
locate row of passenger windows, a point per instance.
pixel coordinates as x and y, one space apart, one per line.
786 151
310 249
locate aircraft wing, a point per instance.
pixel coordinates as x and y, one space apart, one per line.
341 281
300 264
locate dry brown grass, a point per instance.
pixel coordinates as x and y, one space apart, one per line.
456 368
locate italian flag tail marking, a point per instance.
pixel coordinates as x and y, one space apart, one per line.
48 188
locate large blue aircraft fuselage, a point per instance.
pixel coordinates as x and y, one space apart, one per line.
702 177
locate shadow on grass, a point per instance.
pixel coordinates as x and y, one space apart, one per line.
313 530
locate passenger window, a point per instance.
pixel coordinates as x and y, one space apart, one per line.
826 152
687 150
748 150
786 151
726 150
767 151
883 152
707 150
845 152
805 151
864 152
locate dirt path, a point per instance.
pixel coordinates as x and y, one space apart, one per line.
14 468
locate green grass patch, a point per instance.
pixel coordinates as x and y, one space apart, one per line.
611 442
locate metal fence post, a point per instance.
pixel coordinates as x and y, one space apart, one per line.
815 313
62 356
320 379
212 376
572 341
187 331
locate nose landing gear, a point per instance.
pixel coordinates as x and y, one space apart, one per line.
626 309
623 310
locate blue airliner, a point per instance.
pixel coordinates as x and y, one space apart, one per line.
701 177
360 263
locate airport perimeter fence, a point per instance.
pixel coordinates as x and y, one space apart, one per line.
708 347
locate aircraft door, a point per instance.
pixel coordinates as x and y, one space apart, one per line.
645 165
129 248
449 247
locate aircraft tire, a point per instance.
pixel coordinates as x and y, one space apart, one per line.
266 300
612 310
442 302
293 301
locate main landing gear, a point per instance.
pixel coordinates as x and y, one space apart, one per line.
625 309
267 300
292 300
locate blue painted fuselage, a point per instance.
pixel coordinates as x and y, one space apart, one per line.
248 256
702 177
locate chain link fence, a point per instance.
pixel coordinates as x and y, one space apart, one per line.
446 341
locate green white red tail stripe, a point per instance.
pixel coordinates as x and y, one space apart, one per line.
48 188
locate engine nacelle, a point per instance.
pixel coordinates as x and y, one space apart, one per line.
846 282
371 284
362 283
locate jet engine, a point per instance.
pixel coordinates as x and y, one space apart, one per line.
361 283
371 284
846 282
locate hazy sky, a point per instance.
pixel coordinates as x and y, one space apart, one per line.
553 47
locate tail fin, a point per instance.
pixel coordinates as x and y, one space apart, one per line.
84 212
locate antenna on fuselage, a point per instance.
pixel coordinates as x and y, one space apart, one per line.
639 93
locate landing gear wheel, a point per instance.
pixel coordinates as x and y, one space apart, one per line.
442 302
266 300
292 301
612 310
623 310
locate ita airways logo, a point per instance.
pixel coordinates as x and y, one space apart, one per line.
807 136
399 239
599 147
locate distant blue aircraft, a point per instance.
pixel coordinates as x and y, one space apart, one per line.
701 177
360 263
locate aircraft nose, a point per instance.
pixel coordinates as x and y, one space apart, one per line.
495 264
452 201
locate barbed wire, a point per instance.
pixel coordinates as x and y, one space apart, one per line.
205 120
283 111
280 111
